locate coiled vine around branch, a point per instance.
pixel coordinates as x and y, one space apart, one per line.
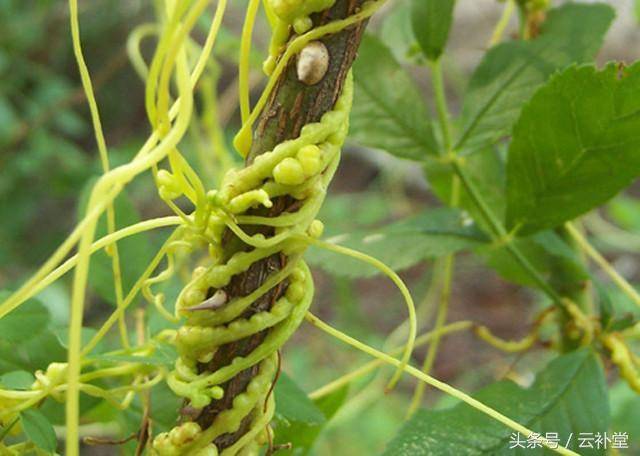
300 168
251 288
262 213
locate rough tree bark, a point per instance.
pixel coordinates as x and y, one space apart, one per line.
291 106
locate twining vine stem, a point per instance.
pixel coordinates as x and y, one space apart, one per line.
446 265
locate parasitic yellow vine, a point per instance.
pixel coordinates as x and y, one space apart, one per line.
302 168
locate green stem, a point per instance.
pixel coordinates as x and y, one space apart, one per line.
445 267
437 81
498 231
502 24
522 29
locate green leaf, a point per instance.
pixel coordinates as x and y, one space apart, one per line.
569 396
20 380
574 146
25 322
625 211
62 334
388 109
301 428
38 430
548 253
54 411
430 234
485 170
135 253
293 405
511 72
397 34
431 21
625 412
297 420
39 358
332 402
617 310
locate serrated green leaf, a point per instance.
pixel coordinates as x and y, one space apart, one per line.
10 359
430 234
20 380
568 397
574 146
431 21
297 420
388 109
511 72
38 429
25 322
54 411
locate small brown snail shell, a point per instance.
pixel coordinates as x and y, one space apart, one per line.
313 63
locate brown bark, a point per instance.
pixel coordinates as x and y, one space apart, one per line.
291 106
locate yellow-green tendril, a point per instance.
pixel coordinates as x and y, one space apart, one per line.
104 158
315 321
623 358
372 365
109 185
413 325
508 346
243 65
112 183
